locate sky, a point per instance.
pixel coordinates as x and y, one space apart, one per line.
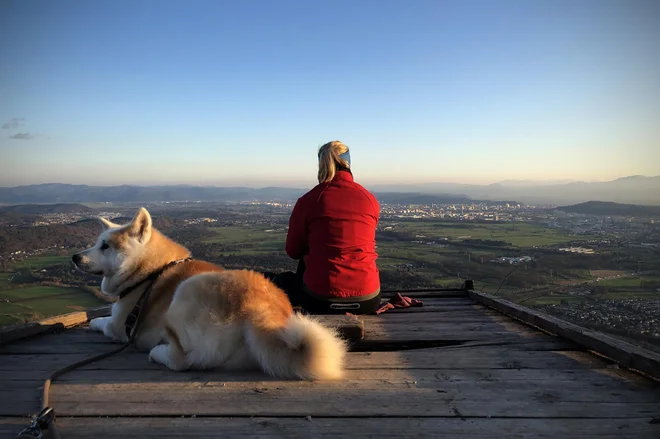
244 92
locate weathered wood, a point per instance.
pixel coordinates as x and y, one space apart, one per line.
351 398
457 321
504 381
624 353
613 379
386 400
16 367
370 342
51 324
442 302
427 293
422 331
401 327
361 428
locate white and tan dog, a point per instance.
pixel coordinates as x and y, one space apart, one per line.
206 316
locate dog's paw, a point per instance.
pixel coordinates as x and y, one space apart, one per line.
98 324
160 354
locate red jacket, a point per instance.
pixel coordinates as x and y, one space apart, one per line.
333 226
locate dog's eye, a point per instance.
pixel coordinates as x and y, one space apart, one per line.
104 245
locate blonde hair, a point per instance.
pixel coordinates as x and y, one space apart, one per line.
329 159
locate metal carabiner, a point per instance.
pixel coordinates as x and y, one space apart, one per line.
40 421
32 432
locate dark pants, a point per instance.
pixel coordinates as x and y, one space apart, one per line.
293 286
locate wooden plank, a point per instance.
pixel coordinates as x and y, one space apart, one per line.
350 398
399 327
360 428
446 302
39 366
613 379
434 318
542 400
624 353
413 332
426 293
51 324
426 332
403 344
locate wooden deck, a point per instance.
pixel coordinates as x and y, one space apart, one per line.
450 369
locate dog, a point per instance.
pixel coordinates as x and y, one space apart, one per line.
201 316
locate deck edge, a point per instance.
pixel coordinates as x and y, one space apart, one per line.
51 324
633 357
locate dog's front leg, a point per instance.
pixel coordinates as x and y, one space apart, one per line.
106 326
100 324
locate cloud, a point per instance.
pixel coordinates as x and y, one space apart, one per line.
13 123
21 136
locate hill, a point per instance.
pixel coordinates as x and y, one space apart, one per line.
635 189
136 194
68 193
42 209
613 209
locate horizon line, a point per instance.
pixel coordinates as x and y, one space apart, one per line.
548 182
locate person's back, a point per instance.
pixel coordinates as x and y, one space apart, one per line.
333 229
340 223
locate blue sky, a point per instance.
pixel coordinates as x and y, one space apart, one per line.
215 92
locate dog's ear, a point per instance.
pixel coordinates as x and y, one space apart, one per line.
106 224
141 225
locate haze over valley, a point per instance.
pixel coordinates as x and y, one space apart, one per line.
634 190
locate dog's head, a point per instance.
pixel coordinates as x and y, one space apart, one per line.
118 247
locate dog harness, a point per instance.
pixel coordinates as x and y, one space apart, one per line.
131 319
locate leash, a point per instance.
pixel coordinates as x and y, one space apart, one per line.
45 419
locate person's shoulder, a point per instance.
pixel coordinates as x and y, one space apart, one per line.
362 189
365 192
312 193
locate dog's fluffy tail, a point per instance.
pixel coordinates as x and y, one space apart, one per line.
303 348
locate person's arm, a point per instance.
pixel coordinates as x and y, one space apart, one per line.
296 237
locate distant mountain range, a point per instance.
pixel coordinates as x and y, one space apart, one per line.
612 209
69 193
628 190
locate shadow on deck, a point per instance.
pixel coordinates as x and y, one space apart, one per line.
452 368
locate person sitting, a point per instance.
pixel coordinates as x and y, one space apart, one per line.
332 233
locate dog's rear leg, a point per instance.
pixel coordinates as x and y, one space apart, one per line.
171 354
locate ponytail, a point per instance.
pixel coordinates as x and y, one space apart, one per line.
332 155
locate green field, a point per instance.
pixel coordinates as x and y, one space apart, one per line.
41 261
518 234
441 264
628 281
22 304
255 239
250 240
43 302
